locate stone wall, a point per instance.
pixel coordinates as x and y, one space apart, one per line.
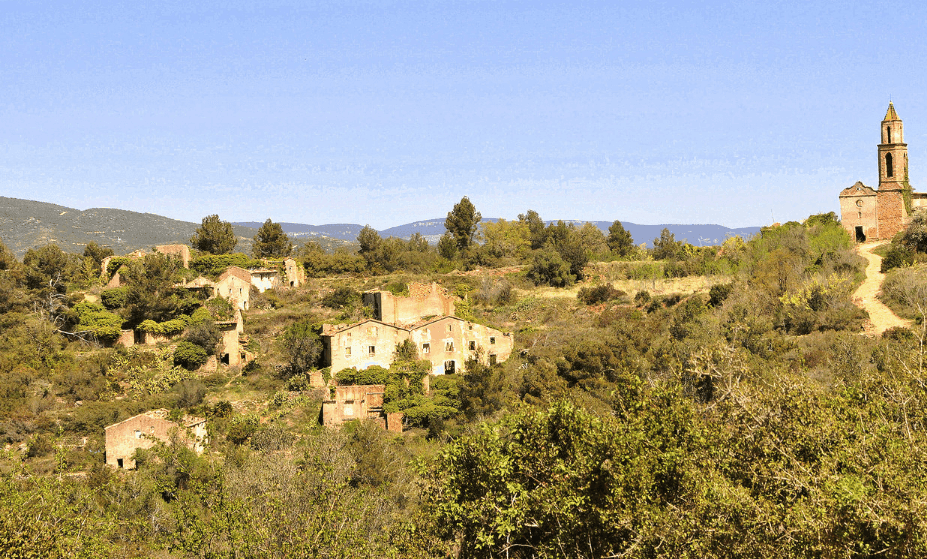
181 252
423 300
144 431
892 214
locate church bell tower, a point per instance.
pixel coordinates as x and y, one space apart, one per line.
893 153
893 196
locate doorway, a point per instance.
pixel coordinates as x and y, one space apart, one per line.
860 236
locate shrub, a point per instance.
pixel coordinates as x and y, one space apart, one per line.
39 445
241 428
302 346
718 293
189 355
205 335
190 393
341 297
642 297
101 323
599 294
114 298
550 269
897 256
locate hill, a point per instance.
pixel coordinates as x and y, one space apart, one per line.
432 229
26 223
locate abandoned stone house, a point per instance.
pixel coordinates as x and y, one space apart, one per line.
145 430
356 402
295 274
447 341
423 300
871 214
235 285
265 278
181 252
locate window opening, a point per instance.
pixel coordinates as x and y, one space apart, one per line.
888 132
449 367
492 339
426 348
449 346
347 351
889 172
472 345
492 358
372 350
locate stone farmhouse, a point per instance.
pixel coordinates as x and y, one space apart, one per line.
359 402
235 285
446 341
145 430
423 300
871 214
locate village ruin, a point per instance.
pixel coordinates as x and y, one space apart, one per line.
870 214
145 430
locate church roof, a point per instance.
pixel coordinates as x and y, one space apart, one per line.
890 114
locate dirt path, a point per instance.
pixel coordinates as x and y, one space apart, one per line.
881 318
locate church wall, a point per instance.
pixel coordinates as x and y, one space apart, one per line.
860 211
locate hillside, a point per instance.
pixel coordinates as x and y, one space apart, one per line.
432 229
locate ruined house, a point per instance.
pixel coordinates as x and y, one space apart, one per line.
447 341
145 430
871 214
295 274
235 285
358 402
424 300
265 278
181 252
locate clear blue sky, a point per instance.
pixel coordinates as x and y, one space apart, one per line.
385 112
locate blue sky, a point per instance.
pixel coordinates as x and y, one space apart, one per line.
386 112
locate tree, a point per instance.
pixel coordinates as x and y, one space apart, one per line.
462 222
447 248
96 252
537 233
271 242
369 241
301 346
666 246
619 239
214 236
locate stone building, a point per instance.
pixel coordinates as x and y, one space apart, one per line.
870 214
359 402
265 278
181 252
423 300
235 285
145 430
446 341
295 275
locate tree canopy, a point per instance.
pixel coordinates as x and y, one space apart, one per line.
462 222
214 236
271 242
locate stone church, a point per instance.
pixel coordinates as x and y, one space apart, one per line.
871 214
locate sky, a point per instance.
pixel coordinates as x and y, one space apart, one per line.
386 112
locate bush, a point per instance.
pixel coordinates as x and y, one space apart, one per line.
241 428
341 297
39 445
718 293
114 298
642 297
206 335
190 393
897 256
550 269
599 294
101 323
302 346
189 355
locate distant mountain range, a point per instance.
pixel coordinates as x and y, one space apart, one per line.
432 229
26 223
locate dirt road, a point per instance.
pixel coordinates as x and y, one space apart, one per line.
881 318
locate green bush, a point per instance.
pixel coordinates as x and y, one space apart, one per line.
599 294
215 264
114 298
550 269
101 323
341 297
898 255
189 355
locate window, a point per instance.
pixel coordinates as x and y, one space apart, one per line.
348 409
492 340
888 132
347 351
492 358
889 172
450 327
449 367
469 327
426 348
472 345
449 345
372 350
138 434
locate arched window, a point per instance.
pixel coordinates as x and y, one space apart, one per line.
888 165
888 133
